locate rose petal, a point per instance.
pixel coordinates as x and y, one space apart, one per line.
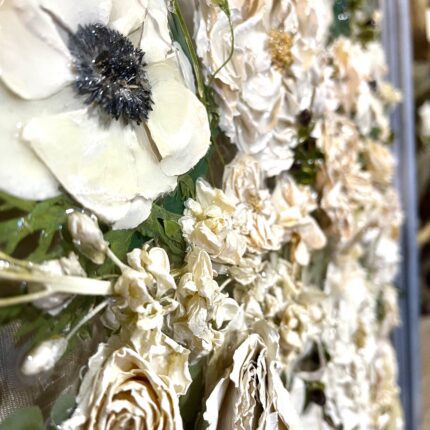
79 12
108 168
29 37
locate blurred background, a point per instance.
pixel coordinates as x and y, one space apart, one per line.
420 20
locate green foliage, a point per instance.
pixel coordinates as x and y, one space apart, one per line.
62 409
41 221
191 404
353 18
24 419
43 326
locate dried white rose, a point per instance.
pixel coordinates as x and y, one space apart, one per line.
203 311
244 389
121 389
210 223
101 154
272 74
87 236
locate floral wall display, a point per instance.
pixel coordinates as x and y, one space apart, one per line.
198 223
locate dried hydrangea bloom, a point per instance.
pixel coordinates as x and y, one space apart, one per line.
387 410
350 196
203 311
104 111
362 90
293 205
267 295
243 386
273 73
301 323
243 181
210 223
146 280
124 387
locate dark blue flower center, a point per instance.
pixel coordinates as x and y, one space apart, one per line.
110 73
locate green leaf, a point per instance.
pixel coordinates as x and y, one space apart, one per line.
191 404
43 326
62 409
155 227
45 219
24 419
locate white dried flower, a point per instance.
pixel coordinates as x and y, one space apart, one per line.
122 388
91 88
87 236
271 75
244 389
293 204
210 223
243 181
44 356
203 311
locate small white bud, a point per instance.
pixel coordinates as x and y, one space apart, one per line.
44 356
87 236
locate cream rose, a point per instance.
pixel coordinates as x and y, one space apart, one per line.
133 386
244 388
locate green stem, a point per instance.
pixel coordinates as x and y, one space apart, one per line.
193 54
230 55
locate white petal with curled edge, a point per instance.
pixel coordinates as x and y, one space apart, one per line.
178 125
105 167
127 15
79 12
22 174
156 41
34 61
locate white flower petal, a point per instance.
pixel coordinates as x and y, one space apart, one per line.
21 173
127 15
79 12
106 168
179 127
156 41
34 61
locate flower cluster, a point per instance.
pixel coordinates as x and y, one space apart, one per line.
265 299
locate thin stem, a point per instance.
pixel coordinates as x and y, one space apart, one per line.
115 260
88 317
194 58
62 284
26 298
225 283
230 55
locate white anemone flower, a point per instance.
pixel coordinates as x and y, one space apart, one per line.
95 99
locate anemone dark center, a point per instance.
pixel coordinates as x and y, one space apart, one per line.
110 72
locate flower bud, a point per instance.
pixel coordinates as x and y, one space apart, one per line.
44 356
87 236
